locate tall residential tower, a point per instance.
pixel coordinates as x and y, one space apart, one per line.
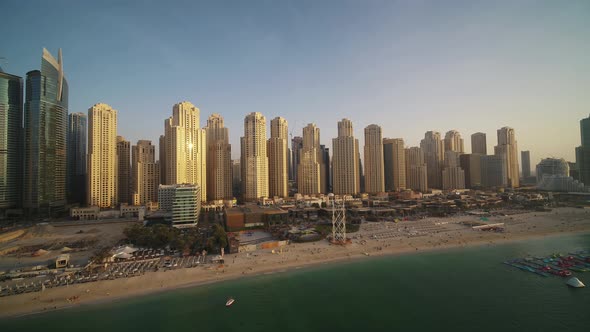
278 149
219 181
374 181
254 160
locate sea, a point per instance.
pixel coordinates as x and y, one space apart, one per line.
461 289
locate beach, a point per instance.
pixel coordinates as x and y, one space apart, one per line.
372 240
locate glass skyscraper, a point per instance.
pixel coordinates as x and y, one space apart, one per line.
76 158
46 118
11 115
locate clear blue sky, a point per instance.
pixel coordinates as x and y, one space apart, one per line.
409 66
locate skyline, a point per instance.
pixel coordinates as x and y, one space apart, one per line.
434 62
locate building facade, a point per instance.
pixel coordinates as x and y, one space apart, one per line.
145 173
296 147
373 151
471 165
494 171
254 159
345 161
416 169
123 170
452 174
45 135
525 157
508 148
186 148
311 168
219 183
102 156
434 151
454 142
181 203
278 149
11 144
394 164
479 144
76 158
583 152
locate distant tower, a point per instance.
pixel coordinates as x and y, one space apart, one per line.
345 161
583 152
76 157
434 152
123 169
508 148
254 160
102 156
374 182
219 183
525 156
311 169
416 169
145 173
453 141
479 144
394 161
277 150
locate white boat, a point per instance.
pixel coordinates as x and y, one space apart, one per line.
575 283
229 302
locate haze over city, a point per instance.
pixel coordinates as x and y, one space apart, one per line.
408 66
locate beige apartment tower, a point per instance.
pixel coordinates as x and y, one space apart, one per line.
162 158
374 176
416 169
453 175
278 149
434 150
254 159
345 160
454 142
102 156
479 144
145 173
311 170
219 179
394 164
186 146
123 170
508 148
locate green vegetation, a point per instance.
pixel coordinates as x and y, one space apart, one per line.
218 240
160 236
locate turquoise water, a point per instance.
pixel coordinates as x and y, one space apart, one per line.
461 290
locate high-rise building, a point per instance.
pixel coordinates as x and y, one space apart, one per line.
494 171
394 164
278 149
583 152
471 165
525 157
145 173
45 127
76 158
453 141
374 182
311 168
434 151
123 170
452 174
236 170
219 185
325 153
182 203
296 146
479 144
102 156
507 147
186 148
416 169
254 159
345 161
11 144
162 158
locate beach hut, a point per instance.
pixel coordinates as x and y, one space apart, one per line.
62 261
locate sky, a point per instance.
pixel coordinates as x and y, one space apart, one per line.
408 66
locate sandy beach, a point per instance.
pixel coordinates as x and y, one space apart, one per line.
373 239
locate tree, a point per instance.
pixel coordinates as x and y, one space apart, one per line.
218 240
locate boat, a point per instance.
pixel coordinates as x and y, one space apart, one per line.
575 283
229 302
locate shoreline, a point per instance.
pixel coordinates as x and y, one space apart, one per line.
263 263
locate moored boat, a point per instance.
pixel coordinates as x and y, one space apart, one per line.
229 302
575 283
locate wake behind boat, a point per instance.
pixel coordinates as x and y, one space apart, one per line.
229 302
